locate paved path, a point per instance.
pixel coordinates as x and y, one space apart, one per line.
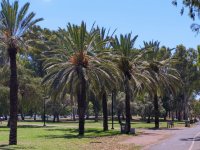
187 139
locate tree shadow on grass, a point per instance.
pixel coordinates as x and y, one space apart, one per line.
73 133
33 126
1 127
15 147
28 126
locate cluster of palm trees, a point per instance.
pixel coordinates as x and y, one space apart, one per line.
93 61
81 61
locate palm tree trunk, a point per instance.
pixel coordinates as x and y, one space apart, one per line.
87 110
105 111
22 116
74 115
156 110
149 119
21 108
123 117
8 124
96 111
179 115
119 116
73 107
58 118
5 116
127 104
165 116
96 119
54 117
13 96
81 95
35 117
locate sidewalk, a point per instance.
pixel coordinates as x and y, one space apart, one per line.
149 137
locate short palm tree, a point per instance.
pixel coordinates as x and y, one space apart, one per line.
74 64
14 24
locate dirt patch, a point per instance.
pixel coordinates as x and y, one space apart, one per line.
111 143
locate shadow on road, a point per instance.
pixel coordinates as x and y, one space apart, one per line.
191 139
163 128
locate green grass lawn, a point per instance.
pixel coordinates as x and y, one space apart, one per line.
32 135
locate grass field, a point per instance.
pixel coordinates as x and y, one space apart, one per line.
56 136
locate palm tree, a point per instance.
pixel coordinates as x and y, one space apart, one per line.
14 24
104 52
165 77
129 64
75 65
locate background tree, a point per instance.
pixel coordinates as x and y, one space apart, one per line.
193 8
189 75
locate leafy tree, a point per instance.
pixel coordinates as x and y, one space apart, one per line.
96 105
30 91
195 108
189 74
4 100
42 40
56 106
146 107
120 105
193 7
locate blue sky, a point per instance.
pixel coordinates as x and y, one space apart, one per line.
150 19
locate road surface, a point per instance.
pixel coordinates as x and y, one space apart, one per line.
187 139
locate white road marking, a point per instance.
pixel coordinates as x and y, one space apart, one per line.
191 146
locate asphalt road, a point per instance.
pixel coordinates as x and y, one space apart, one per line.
186 139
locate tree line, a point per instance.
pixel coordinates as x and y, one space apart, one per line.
78 66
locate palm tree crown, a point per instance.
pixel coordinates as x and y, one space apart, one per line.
15 22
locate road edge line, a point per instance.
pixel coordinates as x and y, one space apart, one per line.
191 146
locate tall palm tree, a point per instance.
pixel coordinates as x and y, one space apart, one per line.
128 63
74 64
165 77
104 52
14 24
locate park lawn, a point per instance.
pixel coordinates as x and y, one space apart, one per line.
32 135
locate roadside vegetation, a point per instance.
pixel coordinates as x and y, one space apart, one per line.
83 79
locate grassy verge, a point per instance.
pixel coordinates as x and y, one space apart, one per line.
32 135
